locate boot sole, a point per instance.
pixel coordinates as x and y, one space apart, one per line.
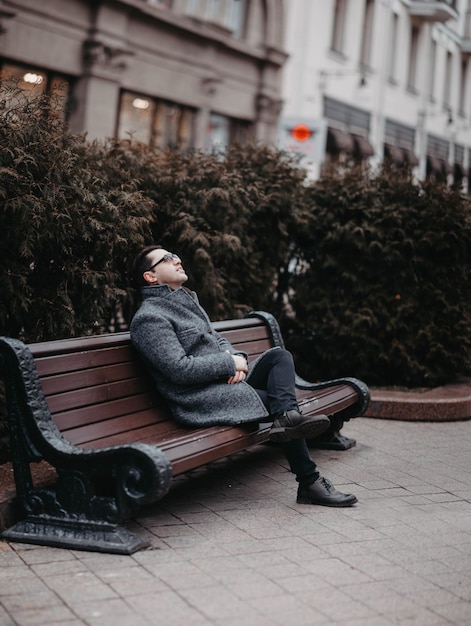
303 431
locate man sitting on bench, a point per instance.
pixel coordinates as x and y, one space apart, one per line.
207 382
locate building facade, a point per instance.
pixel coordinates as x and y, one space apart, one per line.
380 79
170 73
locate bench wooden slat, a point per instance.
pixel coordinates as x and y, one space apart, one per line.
220 444
79 344
334 406
68 420
189 448
76 361
226 326
97 395
91 377
132 425
256 333
147 434
332 393
169 434
254 348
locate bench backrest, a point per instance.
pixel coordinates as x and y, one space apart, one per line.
100 394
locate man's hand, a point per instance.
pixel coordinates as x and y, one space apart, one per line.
241 369
237 378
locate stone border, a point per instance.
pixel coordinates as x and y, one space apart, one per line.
440 404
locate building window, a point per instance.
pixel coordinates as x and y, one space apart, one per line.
230 14
223 131
438 168
393 48
365 55
338 30
399 141
33 82
433 61
413 58
135 118
447 81
155 123
346 115
173 127
463 87
459 173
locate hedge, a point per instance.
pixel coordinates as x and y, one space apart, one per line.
384 287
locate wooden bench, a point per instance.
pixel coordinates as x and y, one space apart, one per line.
88 407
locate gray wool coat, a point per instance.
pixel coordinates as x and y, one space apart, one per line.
188 360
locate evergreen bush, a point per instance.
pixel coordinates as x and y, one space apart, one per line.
382 289
230 217
65 227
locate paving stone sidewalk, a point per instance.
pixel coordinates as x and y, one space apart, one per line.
230 546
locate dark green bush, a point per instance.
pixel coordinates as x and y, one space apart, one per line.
383 286
65 229
74 213
229 216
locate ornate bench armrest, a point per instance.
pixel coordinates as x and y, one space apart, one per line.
79 512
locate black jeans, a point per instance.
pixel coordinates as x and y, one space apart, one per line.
273 378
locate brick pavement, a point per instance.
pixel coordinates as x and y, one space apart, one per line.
230 546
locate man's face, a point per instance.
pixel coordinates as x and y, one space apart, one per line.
165 268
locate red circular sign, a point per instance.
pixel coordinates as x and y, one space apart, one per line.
301 132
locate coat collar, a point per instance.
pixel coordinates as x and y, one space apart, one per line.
164 291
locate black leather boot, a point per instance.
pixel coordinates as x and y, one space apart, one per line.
323 492
294 425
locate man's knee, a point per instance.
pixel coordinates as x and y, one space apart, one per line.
283 356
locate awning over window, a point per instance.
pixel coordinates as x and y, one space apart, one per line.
447 168
410 157
339 141
400 156
394 153
438 166
458 171
433 165
363 148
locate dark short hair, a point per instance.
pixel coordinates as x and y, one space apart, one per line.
141 264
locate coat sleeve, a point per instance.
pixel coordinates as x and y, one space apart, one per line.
226 345
173 355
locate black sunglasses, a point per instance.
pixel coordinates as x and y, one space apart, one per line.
167 258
